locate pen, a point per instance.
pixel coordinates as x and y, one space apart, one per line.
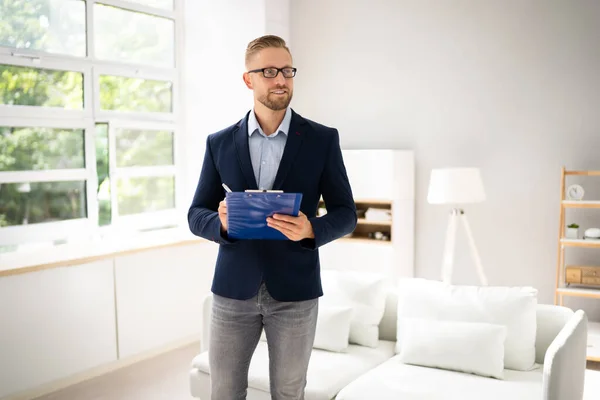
226 188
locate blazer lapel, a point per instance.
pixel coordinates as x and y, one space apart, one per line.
242 149
292 145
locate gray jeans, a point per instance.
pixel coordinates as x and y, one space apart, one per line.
235 330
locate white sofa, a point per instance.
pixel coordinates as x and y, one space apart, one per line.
362 373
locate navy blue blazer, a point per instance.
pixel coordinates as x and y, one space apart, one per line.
311 164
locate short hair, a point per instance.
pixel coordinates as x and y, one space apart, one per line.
264 42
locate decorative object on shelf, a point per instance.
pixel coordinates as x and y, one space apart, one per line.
572 231
582 275
592 233
456 186
575 192
379 236
378 214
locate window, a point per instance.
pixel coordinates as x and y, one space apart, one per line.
38 87
88 118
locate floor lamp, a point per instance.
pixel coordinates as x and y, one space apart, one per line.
454 187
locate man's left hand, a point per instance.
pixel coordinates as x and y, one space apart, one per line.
294 228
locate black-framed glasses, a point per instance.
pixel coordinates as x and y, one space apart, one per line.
271 72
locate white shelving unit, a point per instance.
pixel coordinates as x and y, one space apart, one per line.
380 179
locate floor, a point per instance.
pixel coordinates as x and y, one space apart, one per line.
165 377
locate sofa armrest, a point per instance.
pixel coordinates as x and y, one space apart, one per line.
206 316
565 361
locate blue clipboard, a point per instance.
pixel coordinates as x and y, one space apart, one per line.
247 213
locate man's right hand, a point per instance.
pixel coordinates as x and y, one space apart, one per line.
223 216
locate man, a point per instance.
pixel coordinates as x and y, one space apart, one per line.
270 284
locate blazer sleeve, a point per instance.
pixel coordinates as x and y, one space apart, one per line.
341 218
203 217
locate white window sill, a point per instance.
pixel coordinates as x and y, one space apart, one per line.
86 251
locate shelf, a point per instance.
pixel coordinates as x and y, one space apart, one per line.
583 173
579 292
366 240
373 202
580 242
363 221
580 204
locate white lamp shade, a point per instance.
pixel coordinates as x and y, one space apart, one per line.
455 186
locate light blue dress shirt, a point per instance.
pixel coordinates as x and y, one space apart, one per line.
266 151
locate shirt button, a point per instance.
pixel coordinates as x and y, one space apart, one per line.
264 162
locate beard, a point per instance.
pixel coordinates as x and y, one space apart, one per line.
275 102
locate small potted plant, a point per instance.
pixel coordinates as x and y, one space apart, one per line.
572 231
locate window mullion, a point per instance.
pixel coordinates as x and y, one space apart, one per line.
112 172
89 12
92 182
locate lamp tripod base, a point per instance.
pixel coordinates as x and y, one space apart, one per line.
456 215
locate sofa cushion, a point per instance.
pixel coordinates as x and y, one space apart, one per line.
395 380
513 307
366 293
470 347
333 328
328 372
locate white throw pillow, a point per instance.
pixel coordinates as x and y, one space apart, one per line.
512 307
471 347
333 328
363 291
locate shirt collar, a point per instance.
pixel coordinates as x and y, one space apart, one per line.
284 127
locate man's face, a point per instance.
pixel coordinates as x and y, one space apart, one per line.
274 93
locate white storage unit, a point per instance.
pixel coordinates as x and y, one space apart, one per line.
382 180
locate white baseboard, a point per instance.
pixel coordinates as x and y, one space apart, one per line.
100 370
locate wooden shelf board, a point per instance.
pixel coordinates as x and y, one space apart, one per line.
363 221
373 201
585 173
580 204
579 292
369 201
580 242
367 240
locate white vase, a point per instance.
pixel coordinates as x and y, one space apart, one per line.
572 233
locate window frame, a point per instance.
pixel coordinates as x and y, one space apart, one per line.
41 62
86 119
137 172
50 231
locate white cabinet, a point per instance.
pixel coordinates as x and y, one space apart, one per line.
62 323
55 323
159 295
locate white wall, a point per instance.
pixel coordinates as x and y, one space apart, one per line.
511 87
217 33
